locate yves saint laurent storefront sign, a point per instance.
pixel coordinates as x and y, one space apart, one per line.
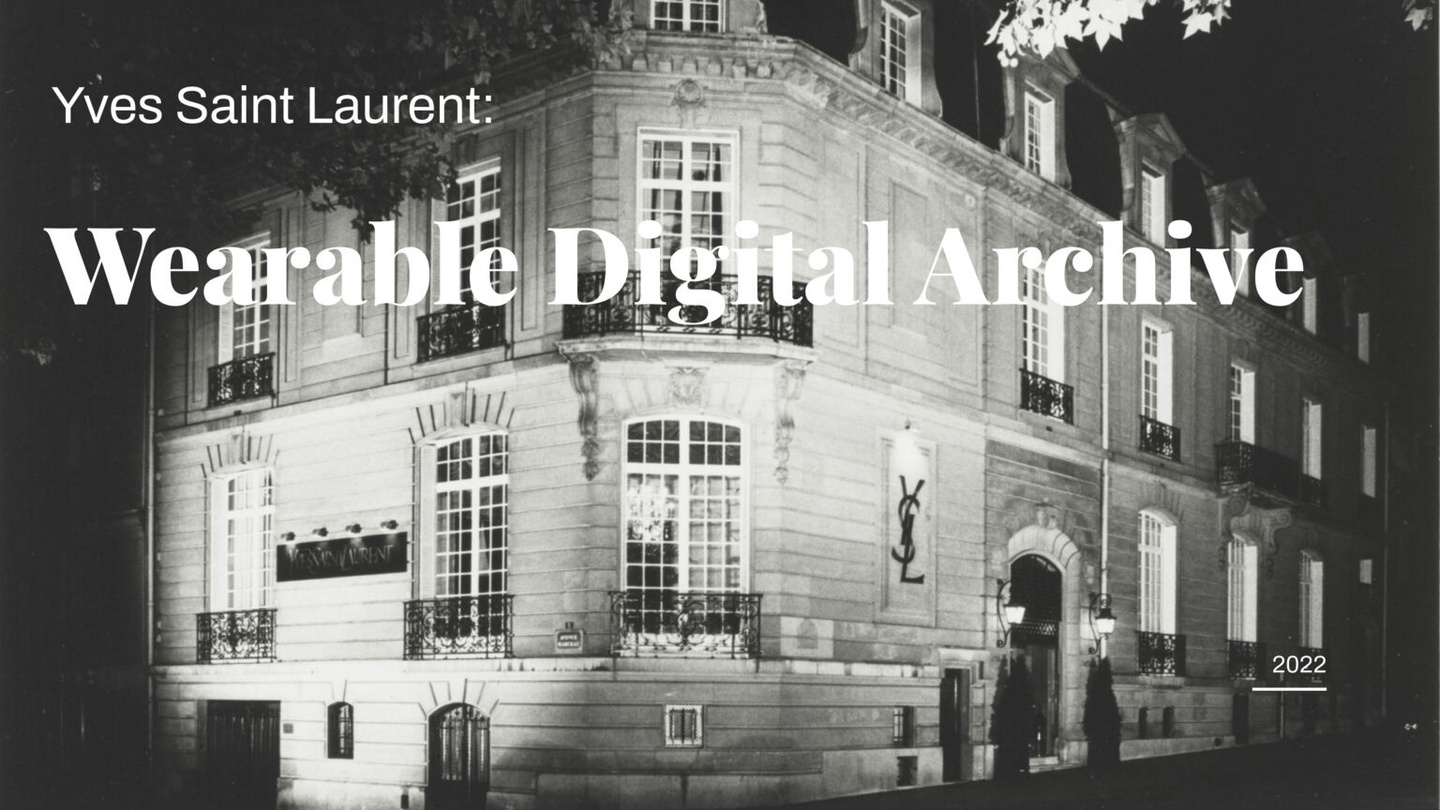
341 557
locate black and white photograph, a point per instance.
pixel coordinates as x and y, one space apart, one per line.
719 404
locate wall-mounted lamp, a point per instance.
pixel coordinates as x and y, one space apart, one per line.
288 537
1102 621
392 525
353 528
1007 610
320 532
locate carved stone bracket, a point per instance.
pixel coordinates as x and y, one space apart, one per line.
688 386
789 379
585 379
1239 516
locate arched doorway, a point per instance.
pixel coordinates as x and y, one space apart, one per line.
1035 582
459 758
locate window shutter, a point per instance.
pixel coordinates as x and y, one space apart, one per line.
1167 580
225 333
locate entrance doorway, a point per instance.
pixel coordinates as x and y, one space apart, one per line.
459 758
1035 583
955 752
242 744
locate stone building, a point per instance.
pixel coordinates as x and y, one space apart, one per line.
554 556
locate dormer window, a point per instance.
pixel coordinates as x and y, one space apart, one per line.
1310 305
1152 204
1240 240
899 67
1362 337
694 16
1040 133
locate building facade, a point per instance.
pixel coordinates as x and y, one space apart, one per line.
540 556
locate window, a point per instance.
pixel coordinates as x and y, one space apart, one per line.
1156 372
1240 240
685 523
1312 600
684 726
1152 204
474 199
1243 591
1242 404
459 757
243 541
1157 574
1039 133
695 16
1362 337
1310 305
1043 329
902 726
1368 451
899 56
472 495
687 184
246 330
1310 420
340 731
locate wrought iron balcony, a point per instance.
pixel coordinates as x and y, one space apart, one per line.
459 627
664 622
235 635
246 378
460 329
1159 438
1046 397
1312 491
623 314
1162 654
1241 463
1247 659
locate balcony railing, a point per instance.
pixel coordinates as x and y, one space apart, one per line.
235 635
1247 659
1046 397
1238 463
662 622
1312 491
461 329
1159 438
459 627
623 314
246 378
1162 654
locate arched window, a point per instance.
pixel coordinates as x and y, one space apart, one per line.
1312 600
459 758
1157 574
340 730
1243 591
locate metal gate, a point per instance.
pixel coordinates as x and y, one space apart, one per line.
242 744
459 758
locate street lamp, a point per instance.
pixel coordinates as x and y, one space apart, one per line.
1007 611
1102 620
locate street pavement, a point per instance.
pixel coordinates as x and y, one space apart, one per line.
1339 772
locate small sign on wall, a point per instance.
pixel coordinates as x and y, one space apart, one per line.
569 641
341 557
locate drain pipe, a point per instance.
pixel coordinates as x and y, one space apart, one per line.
1103 642
147 489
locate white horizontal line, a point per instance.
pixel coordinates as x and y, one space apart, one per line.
1288 688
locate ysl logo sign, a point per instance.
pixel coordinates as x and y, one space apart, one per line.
909 503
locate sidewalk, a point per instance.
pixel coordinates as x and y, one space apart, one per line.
1338 768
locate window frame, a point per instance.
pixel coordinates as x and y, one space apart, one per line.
480 216
1157 576
1312 437
1369 460
1240 240
340 730
1039 135
1362 336
695 739
1242 402
685 471
687 186
903 83
1041 314
432 575
688 22
1153 202
1157 371
222 595
265 323
1310 304
1243 590
1312 600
